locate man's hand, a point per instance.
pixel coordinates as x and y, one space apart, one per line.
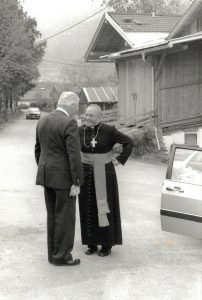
115 161
75 190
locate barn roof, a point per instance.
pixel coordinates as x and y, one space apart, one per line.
101 94
121 31
186 19
178 44
175 40
144 23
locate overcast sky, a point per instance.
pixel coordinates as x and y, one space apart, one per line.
60 12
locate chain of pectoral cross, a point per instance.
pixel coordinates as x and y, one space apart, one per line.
93 142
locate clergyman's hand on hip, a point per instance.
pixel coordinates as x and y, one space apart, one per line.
115 161
75 190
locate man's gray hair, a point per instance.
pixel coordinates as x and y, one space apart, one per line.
68 98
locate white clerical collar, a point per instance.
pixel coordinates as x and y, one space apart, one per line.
64 111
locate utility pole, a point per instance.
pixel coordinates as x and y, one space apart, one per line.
154 8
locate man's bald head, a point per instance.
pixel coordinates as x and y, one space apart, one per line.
95 108
69 101
93 115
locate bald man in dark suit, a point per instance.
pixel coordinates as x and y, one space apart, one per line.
57 153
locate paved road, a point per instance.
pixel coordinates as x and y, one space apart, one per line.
150 265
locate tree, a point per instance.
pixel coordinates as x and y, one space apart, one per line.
148 6
19 52
84 75
78 76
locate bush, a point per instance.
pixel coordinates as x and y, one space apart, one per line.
144 141
162 155
6 116
145 145
33 104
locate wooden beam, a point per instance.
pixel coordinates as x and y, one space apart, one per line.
99 53
163 56
194 119
196 82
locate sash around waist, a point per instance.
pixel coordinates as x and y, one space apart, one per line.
96 158
98 161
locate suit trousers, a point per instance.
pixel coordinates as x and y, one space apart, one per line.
61 210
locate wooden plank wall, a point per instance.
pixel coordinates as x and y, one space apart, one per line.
178 89
135 90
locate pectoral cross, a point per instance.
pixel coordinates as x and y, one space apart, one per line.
93 142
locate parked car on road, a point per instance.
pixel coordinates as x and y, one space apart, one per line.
33 113
181 199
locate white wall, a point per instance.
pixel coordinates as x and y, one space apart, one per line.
199 137
178 137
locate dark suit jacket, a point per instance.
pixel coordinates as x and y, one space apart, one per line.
57 151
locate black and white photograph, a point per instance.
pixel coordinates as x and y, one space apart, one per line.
101 149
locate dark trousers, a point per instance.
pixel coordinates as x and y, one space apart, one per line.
61 209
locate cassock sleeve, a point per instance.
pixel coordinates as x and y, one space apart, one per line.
73 149
126 142
37 149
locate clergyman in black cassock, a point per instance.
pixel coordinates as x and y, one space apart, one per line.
96 145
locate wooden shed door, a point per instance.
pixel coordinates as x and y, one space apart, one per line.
180 89
135 91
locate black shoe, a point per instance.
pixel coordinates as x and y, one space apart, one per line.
71 262
105 251
91 250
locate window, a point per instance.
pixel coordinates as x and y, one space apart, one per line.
187 166
191 138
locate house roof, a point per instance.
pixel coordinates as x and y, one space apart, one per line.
117 32
54 92
186 19
144 23
174 39
102 94
158 46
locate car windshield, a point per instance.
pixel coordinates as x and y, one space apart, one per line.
187 166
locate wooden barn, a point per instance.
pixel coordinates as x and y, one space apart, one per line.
164 77
117 32
105 97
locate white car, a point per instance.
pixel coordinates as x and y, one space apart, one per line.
181 199
33 113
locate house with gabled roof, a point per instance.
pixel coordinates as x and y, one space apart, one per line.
165 76
121 31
